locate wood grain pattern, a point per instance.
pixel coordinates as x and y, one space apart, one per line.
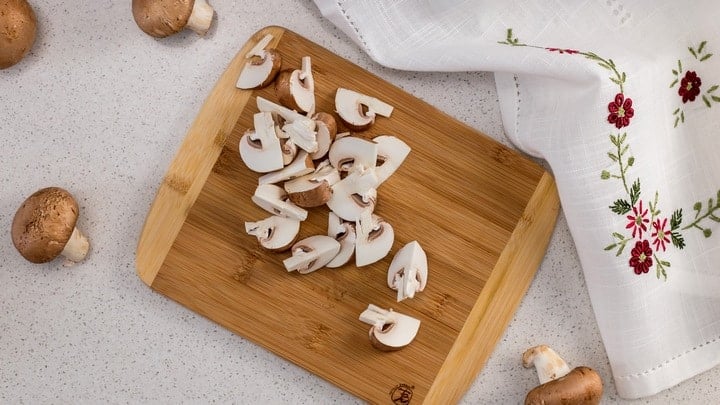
482 212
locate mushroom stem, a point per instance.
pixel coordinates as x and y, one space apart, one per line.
408 284
201 17
259 48
306 70
548 364
377 316
77 247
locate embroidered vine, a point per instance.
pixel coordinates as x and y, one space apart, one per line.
648 231
690 84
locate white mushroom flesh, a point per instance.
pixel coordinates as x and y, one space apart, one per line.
274 200
408 271
200 17
301 165
391 152
311 254
391 329
548 364
260 149
353 153
353 195
375 238
343 232
275 232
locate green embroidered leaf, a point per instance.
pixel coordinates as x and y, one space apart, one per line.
624 149
713 88
676 111
676 121
674 82
682 116
715 99
604 65
613 139
676 220
706 57
605 175
614 80
613 157
620 207
707 232
701 46
611 247
697 207
631 161
611 63
710 204
665 263
692 51
623 77
707 102
679 66
623 137
635 192
677 240
618 235
675 72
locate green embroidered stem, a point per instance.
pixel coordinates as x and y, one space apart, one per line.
709 214
620 150
608 64
660 266
620 244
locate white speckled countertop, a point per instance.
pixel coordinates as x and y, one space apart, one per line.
100 108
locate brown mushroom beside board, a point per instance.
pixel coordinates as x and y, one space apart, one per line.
558 384
44 227
162 18
18 27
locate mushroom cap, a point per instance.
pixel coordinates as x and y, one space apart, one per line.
44 223
582 385
161 18
18 27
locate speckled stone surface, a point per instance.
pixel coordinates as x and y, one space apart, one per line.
100 108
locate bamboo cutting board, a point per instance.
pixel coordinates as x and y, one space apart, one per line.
482 212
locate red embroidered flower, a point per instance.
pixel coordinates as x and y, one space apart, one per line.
689 86
638 220
568 51
660 234
620 111
641 257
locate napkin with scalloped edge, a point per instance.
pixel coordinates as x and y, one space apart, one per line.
623 102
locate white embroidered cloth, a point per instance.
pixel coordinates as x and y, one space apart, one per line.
622 101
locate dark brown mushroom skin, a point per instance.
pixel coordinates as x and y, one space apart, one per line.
18 28
44 223
581 386
162 18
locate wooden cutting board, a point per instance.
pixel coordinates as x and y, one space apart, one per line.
483 213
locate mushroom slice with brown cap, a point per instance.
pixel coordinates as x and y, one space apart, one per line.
353 195
274 200
288 149
260 149
161 18
302 135
375 238
390 330
326 127
343 232
300 166
18 29
295 89
274 233
408 271
261 66
391 153
559 384
285 113
44 227
358 110
313 189
353 153
311 253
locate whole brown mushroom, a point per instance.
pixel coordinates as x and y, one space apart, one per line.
44 227
18 27
558 384
162 18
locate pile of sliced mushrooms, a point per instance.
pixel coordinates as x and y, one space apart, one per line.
305 164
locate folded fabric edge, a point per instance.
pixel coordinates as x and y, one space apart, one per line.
672 372
509 98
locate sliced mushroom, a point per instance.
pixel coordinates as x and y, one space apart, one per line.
358 110
286 114
274 200
353 153
343 232
302 135
408 271
261 66
44 227
559 384
391 153
311 253
295 89
375 238
313 189
288 149
353 195
301 165
325 136
18 29
260 149
274 233
161 18
390 330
